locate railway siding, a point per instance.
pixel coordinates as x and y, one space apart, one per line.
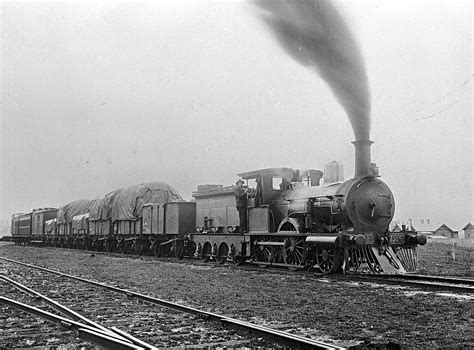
164 327
347 312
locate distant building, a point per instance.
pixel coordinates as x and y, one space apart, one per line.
468 231
445 231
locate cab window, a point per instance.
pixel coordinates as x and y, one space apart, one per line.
277 182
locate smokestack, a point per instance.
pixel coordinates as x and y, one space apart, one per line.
362 158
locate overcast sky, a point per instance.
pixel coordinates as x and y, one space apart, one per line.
101 96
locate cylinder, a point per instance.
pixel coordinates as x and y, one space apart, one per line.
362 157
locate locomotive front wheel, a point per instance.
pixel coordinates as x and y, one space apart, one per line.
328 259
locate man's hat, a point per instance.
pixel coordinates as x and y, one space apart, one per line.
239 180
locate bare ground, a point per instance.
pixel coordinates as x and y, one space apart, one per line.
343 312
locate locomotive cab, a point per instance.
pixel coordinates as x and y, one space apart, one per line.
267 205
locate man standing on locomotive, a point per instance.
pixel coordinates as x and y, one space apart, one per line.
241 203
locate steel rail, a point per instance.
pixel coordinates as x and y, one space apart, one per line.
114 332
433 282
58 307
105 339
292 340
431 278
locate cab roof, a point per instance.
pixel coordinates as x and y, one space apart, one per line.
286 173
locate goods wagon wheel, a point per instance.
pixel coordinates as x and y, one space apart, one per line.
143 246
157 249
83 244
97 245
222 253
328 259
123 246
179 249
139 246
191 250
206 252
294 252
110 245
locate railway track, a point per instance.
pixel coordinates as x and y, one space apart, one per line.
423 281
414 280
461 285
273 337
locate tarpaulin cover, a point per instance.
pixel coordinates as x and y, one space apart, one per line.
68 211
96 208
128 202
108 204
79 222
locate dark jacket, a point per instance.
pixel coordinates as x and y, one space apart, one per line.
240 197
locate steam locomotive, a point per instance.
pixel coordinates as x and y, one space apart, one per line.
293 221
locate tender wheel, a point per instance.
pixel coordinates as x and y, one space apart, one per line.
206 252
222 253
294 252
199 251
328 259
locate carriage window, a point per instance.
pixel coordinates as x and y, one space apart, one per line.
277 182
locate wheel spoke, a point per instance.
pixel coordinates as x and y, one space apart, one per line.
294 252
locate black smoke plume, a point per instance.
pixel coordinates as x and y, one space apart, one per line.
315 35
